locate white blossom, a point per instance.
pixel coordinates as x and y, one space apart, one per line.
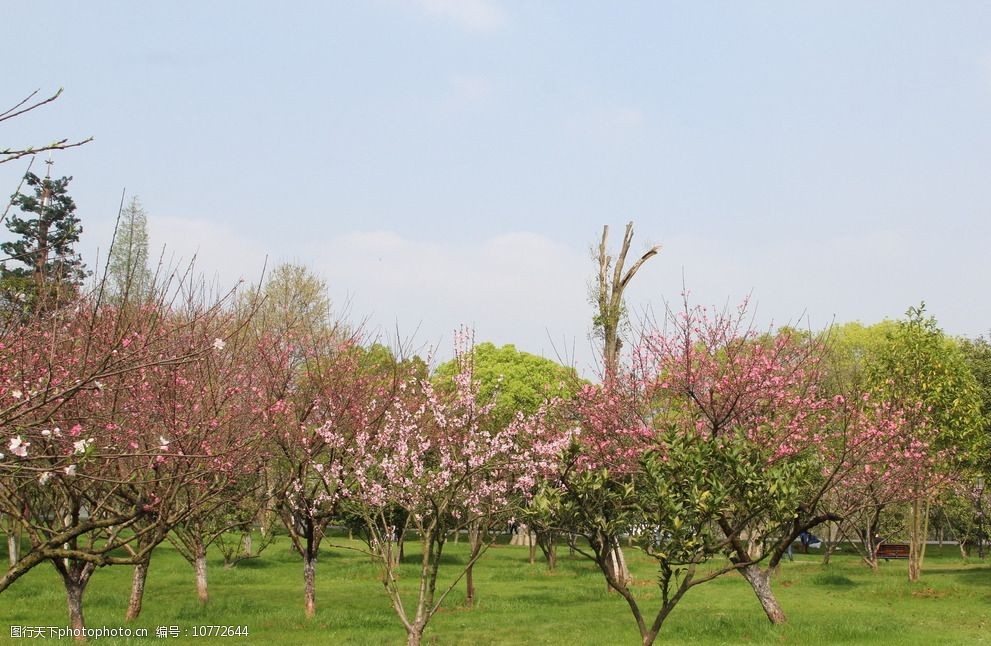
18 446
81 445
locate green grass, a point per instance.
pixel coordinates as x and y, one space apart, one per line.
519 603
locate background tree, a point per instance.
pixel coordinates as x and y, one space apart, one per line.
977 354
128 276
850 348
610 285
293 298
518 382
51 271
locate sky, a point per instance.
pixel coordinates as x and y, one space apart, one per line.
445 162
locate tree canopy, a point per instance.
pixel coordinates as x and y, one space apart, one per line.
519 381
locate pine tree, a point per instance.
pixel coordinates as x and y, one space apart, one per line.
47 229
128 276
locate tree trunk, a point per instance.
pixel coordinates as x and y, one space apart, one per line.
75 575
309 584
13 547
414 636
248 547
624 569
918 533
546 541
617 564
202 591
470 584
137 590
74 599
760 581
475 544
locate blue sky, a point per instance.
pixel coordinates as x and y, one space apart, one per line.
444 162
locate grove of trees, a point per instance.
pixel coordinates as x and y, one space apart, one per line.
137 408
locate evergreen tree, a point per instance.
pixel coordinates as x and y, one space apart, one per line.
46 231
128 276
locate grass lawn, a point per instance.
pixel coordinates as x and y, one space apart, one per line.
519 603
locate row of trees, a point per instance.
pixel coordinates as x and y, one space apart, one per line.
712 447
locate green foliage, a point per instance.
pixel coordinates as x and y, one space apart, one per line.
519 381
380 361
977 354
917 365
851 347
293 299
966 512
683 503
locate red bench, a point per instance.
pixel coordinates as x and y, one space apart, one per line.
892 551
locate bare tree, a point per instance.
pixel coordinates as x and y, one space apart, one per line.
610 285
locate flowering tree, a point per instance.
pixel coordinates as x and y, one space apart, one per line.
712 371
86 474
666 485
206 414
514 382
707 389
924 373
878 463
434 457
313 376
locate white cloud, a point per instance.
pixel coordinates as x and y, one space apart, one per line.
532 291
519 288
220 254
514 288
470 15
